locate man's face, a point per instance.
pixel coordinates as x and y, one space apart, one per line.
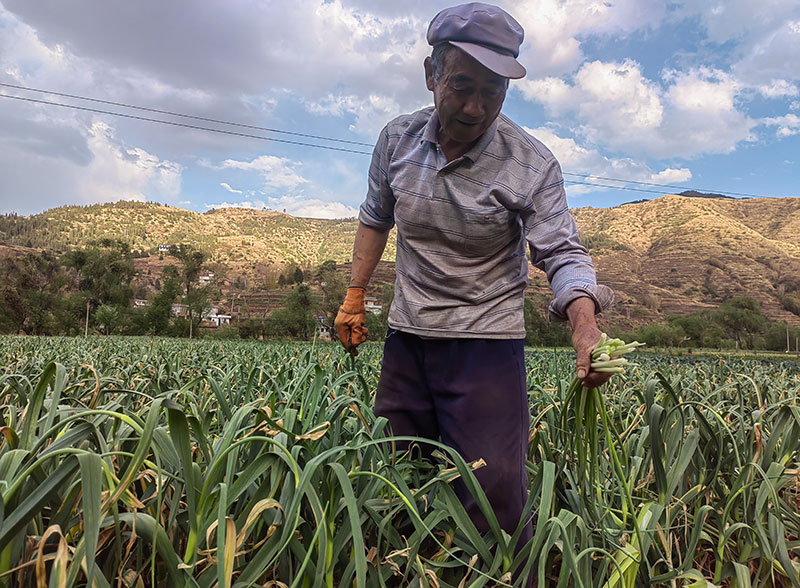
467 95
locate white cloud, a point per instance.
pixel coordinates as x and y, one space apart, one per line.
229 189
702 90
118 172
294 205
311 207
583 164
778 89
553 28
250 204
360 61
672 176
621 90
111 170
788 125
558 96
773 55
613 104
225 54
764 40
277 173
371 113
726 20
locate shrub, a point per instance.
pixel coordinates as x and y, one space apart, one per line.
227 332
791 302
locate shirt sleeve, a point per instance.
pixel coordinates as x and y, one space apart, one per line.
377 210
555 248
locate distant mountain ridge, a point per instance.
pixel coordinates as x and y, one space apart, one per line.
694 194
673 254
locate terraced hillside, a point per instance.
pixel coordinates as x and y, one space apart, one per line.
678 255
674 254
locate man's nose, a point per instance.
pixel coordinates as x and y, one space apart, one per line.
474 107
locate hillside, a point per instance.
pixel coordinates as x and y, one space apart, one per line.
678 255
233 236
674 254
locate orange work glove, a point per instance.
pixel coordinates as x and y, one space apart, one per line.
350 321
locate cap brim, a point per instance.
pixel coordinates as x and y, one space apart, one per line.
504 65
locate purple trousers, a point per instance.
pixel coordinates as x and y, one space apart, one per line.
471 394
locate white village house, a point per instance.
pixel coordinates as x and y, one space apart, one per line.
211 315
371 305
324 330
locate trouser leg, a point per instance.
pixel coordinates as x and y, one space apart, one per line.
481 398
472 393
403 396
479 390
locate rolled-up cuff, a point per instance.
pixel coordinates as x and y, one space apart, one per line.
370 218
603 297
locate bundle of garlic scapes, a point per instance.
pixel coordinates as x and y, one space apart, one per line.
608 355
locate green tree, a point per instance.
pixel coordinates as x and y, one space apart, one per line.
296 318
159 313
102 274
326 267
107 318
195 297
775 336
31 293
700 329
378 323
539 331
252 328
742 319
334 288
660 335
104 271
298 276
791 302
376 327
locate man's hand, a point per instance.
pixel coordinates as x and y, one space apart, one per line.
350 321
585 336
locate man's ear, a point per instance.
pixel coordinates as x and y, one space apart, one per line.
429 73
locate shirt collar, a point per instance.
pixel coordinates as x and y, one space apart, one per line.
431 132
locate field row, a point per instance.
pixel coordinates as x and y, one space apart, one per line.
141 462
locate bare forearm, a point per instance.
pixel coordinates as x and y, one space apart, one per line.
367 251
581 312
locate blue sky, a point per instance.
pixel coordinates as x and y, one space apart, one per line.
697 94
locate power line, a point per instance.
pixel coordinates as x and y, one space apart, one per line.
191 116
590 176
303 144
614 187
184 125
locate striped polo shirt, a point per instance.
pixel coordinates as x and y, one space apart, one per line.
462 229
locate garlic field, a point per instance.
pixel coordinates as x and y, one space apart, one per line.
140 462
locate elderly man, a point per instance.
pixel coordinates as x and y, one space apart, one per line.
468 189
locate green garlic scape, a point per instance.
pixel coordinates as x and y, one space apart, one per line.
607 355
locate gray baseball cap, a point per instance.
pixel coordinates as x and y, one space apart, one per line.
485 32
